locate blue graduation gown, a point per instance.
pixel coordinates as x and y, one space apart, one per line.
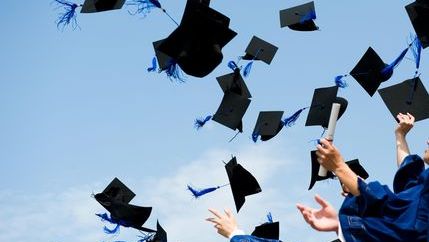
379 214
250 238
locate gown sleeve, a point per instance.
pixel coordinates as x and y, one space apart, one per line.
250 238
408 173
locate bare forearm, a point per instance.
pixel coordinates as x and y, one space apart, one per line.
402 149
348 178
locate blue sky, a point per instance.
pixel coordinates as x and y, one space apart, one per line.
78 109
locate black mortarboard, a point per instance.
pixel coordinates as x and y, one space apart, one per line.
259 49
234 82
242 182
418 12
299 17
409 96
231 111
160 235
353 164
94 6
197 42
267 231
321 105
115 199
268 125
369 71
163 59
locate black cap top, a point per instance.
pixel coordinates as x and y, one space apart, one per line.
115 198
418 12
231 111
94 6
321 105
353 164
259 49
299 17
242 182
234 82
197 43
163 59
269 124
267 231
409 96
160 236
368 71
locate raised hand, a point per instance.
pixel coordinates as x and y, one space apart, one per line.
323 219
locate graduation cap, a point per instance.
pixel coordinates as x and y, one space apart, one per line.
269 230
268 125
115 199
89 6
230 112
165 64
196 44
258 49
321 105
159 236
299 18
409 96
353 164
234 82
241 181
418 12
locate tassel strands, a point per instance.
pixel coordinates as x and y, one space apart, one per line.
68 16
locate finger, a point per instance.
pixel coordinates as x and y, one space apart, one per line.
325 143
215 213
412 119
321 149
321 201
213 220
228 212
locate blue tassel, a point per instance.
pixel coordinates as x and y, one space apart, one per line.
69 16
232 65
199 123
199 192
112 231
290 121
255 137
106 217
309 16
247 69
153 67
417 50
144 6
146 238
340 82
173 71
388 70
270 217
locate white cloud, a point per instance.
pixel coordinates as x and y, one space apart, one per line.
70 216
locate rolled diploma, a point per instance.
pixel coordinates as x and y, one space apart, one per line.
330 133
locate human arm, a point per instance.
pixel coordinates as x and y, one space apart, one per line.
323 219
405 124
329 157
226 224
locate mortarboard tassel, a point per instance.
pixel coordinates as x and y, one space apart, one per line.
145 6
69 14
146 238
199 123
340 82
232 65
200 192
173 71
154 65
388 70
290 121
270 217
112 231
247 69
255 137
416 48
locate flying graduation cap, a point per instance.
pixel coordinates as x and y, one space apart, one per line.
268 125
196 44
241 181
234 82
258 50
268 230
159 236
89 6
354 165
409 96
116 199
299 18
418 12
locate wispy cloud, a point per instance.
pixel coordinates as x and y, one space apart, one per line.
69 216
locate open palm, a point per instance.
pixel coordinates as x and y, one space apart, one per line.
323 219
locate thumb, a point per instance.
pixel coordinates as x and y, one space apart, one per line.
321 201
